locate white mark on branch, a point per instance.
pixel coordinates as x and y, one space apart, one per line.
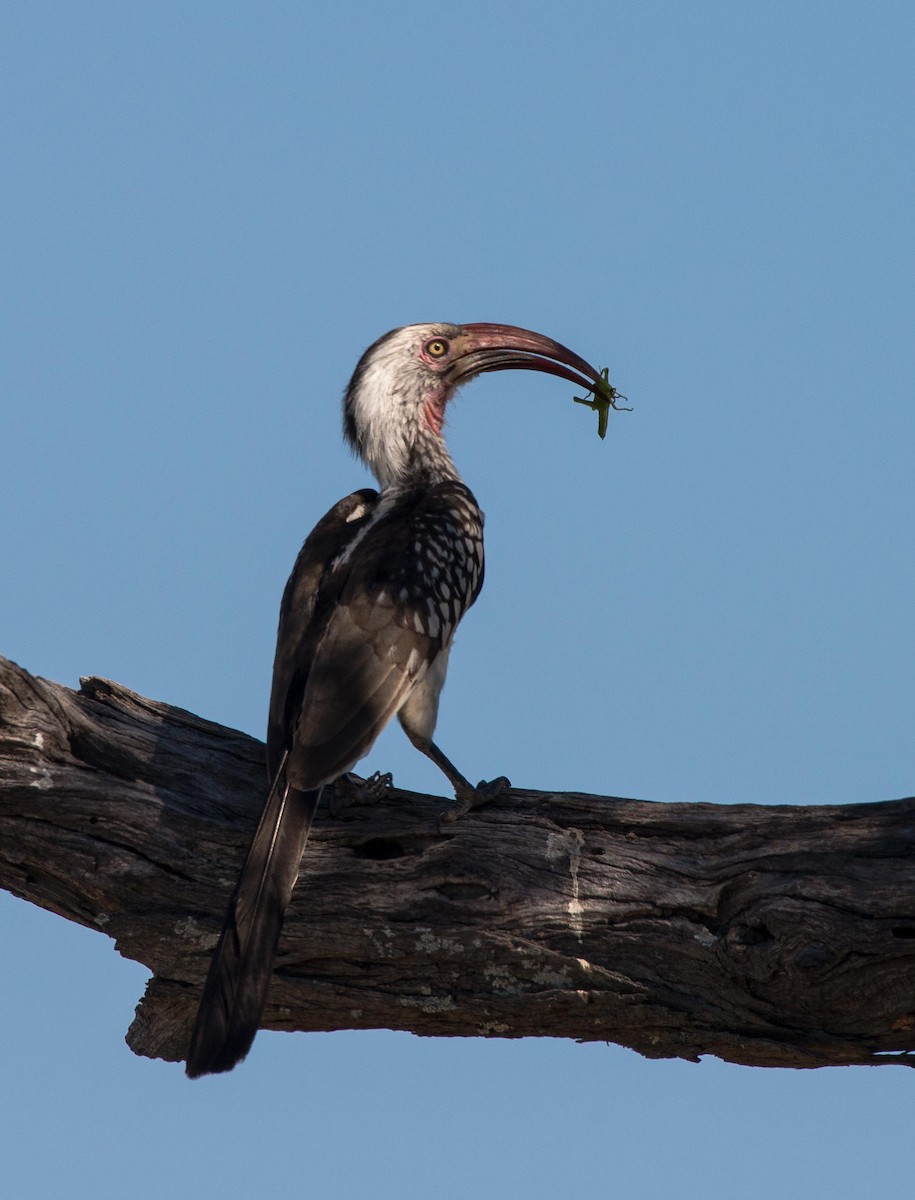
428 1004
552 979
501 979
428 943
44 780
382 950
558 845
493 1028
38 740
189 930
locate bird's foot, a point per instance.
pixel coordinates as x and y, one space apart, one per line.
350 790
468 797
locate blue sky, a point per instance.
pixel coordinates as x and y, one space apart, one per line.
208 212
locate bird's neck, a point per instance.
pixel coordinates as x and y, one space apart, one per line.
429 461
419 461
397 432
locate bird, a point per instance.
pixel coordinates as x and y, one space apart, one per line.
365 630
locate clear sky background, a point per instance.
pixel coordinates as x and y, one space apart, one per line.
208 211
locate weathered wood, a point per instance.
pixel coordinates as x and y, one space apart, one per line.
769 936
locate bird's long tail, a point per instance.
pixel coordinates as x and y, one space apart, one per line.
236 987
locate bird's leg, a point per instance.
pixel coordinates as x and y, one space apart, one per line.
466 795
351 789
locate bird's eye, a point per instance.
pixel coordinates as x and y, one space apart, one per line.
437 348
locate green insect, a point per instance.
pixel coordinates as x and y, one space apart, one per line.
605 397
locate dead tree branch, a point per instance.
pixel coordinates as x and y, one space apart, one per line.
774 936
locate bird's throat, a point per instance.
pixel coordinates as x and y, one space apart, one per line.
434 413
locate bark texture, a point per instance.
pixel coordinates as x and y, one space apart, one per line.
773 936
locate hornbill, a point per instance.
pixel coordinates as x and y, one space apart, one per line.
365 629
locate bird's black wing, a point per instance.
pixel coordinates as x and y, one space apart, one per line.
403 589
239 976
310 598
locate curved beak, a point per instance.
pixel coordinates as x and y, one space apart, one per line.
508 348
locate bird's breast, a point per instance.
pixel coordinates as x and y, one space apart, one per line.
428 560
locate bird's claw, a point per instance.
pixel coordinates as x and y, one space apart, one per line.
469 797
350 790
377 784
